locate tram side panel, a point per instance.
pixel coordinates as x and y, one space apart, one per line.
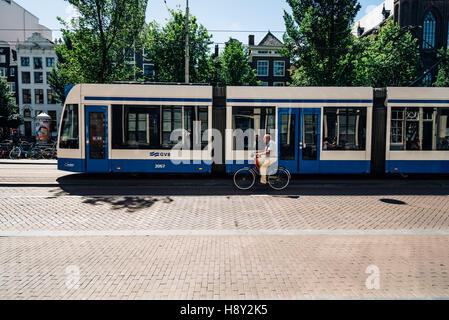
417 130
317 129
139 121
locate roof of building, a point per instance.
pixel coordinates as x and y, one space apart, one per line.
270 41
36 41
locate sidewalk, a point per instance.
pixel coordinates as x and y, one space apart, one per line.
29 161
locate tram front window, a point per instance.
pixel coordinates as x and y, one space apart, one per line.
69 128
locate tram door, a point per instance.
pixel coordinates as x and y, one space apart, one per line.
97 139
299 138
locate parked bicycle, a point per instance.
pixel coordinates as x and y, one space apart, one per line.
245 178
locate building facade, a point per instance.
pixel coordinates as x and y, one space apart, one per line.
8 67
17 24
272 68
428 20
36 58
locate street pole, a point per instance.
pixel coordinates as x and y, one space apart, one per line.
187 50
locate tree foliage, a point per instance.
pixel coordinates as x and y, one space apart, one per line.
96 43
166 47
319 41
234 67
443 69
390 58
8 106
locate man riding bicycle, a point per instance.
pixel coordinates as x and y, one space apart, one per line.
266 158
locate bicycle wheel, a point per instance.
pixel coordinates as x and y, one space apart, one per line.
244 178
15 153
280 179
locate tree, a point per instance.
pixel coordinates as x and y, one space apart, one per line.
390 58
234 68
166 47
8 107
319 40
443 70
97 42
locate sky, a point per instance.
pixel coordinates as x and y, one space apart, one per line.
218 16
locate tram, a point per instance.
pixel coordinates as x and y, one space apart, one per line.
203 129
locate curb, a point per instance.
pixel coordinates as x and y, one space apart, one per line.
29 162
221 184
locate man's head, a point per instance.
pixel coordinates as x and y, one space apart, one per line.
267 138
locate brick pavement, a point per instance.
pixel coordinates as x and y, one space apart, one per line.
213 265
223 267
256 212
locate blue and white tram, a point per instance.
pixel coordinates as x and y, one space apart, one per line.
127 128
417 130
318 129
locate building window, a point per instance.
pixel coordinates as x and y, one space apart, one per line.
146 55
419 128
51 99
3 72
26 96
264 84
262 68
38 77
27 112
50 62
427 80
344 129
148 70
38 96
429 27
12 87
12 72
37 63
279 84
53 124
258 120
129 56
25 61
2 58
26 77
279 68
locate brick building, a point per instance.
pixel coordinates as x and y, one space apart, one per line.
272 68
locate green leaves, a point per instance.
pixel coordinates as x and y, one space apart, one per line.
8 106
166 45
319 40
390 58
95 44
234 68
443 71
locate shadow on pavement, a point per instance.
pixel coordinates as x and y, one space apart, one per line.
131 204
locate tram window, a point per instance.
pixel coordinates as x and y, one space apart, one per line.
344 129
419 128
259 119
150 127
69 128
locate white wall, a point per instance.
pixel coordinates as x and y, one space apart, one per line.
14 19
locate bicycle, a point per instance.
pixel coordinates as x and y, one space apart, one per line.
30 151
245 178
